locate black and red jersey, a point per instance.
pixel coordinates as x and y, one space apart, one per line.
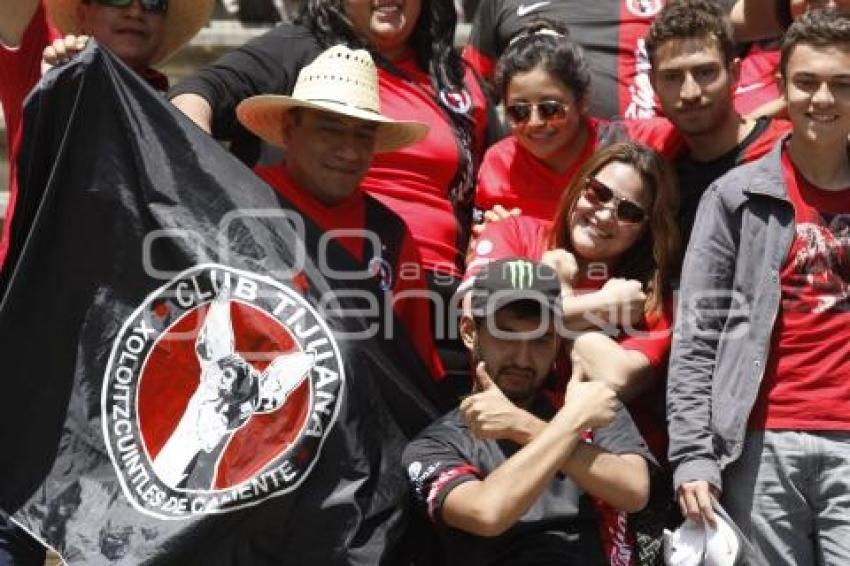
610 31
560 527
414 181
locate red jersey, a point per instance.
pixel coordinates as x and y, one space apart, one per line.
806 385
514 178
757 81
20 71
402 275
414 181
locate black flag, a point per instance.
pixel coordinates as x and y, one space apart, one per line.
181 383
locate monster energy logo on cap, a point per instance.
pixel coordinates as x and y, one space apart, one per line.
510 280
520 273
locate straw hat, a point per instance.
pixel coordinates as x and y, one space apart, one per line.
342 81
183 20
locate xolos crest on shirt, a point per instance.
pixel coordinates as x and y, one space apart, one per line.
219 393
644 8
459 101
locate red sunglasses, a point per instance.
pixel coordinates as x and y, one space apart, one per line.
598 193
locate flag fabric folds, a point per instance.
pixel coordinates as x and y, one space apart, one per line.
184 380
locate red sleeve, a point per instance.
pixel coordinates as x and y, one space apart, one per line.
652 339
492 175
765 142
757 84
20 71
481 112
658 133
483 65
411 303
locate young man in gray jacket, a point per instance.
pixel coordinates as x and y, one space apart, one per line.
758 386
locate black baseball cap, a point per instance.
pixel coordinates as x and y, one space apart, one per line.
507 281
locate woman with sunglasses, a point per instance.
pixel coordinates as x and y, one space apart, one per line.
614 239
544 79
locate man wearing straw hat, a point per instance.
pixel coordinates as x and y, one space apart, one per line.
141 33
330 128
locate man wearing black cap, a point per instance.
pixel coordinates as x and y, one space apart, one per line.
517 492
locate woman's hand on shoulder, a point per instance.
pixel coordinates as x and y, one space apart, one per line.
495 214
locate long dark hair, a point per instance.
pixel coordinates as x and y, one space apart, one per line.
432 42
651 259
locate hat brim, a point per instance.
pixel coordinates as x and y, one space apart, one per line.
264 116
489 306
183 20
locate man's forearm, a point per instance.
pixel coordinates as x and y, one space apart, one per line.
621 480
491 506
628 372
196 108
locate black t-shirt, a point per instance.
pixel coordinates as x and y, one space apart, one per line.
561 527
268 64
695 176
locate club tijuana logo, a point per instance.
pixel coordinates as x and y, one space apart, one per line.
219 393
458 101
644 8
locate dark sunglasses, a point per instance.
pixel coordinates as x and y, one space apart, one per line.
155 6
598 193
520 112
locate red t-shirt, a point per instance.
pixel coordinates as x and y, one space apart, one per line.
512 177
414 181
410 303
757 81
806 385
20 71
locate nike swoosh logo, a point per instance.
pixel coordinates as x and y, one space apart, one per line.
743 89
523 10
